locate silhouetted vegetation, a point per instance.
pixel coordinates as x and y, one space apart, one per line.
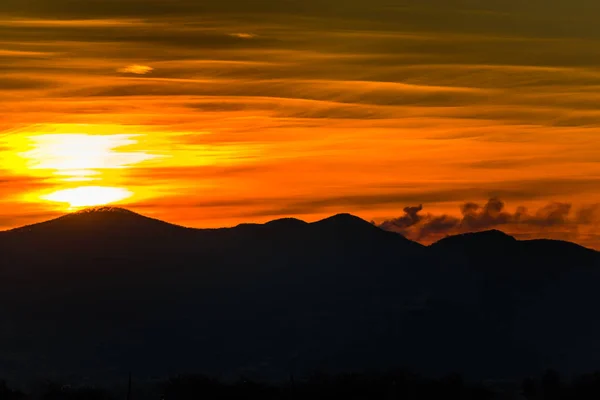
552 387
9 394
376 386
57 391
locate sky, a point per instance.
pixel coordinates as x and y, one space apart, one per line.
428 117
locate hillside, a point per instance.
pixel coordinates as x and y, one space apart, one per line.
105 291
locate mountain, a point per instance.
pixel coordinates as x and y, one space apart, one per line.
104 291
97 219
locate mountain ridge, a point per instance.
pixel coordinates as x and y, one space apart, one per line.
337 221
126 291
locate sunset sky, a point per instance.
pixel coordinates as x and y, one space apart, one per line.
212 113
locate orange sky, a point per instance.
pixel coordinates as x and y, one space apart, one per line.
209 113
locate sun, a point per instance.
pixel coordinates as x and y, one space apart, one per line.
88 196
79 165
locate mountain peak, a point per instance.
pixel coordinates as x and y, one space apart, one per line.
483 239
343 219
491 234
105 213
348 225
110 220
103 210
291 222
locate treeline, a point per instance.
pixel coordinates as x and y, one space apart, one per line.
348 387
320 386
392 386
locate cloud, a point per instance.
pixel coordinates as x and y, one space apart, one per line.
24 53
18 82
410 218
555 217
243 35
589 215
13 186
69 23
136 69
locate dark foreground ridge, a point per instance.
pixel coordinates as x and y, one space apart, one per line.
105 291
390 385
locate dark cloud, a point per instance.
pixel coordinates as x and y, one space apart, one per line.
23 83
339 93
542 18
554 214
477 217
589 215
493 214
293 108
410 218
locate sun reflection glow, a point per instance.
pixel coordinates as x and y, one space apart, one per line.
89 196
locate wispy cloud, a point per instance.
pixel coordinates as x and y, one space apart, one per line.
70 23
243 35
136 69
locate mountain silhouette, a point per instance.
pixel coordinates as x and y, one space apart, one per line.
110 220
105 290
476 240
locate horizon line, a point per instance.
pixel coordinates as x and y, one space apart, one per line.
108 208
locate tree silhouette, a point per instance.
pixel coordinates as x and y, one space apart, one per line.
551 385
529 388
8 394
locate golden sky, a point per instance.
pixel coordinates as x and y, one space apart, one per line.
211 113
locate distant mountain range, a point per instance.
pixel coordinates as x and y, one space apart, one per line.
105 291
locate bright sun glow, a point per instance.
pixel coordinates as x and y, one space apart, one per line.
81 155
67 166
68 161
88 196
